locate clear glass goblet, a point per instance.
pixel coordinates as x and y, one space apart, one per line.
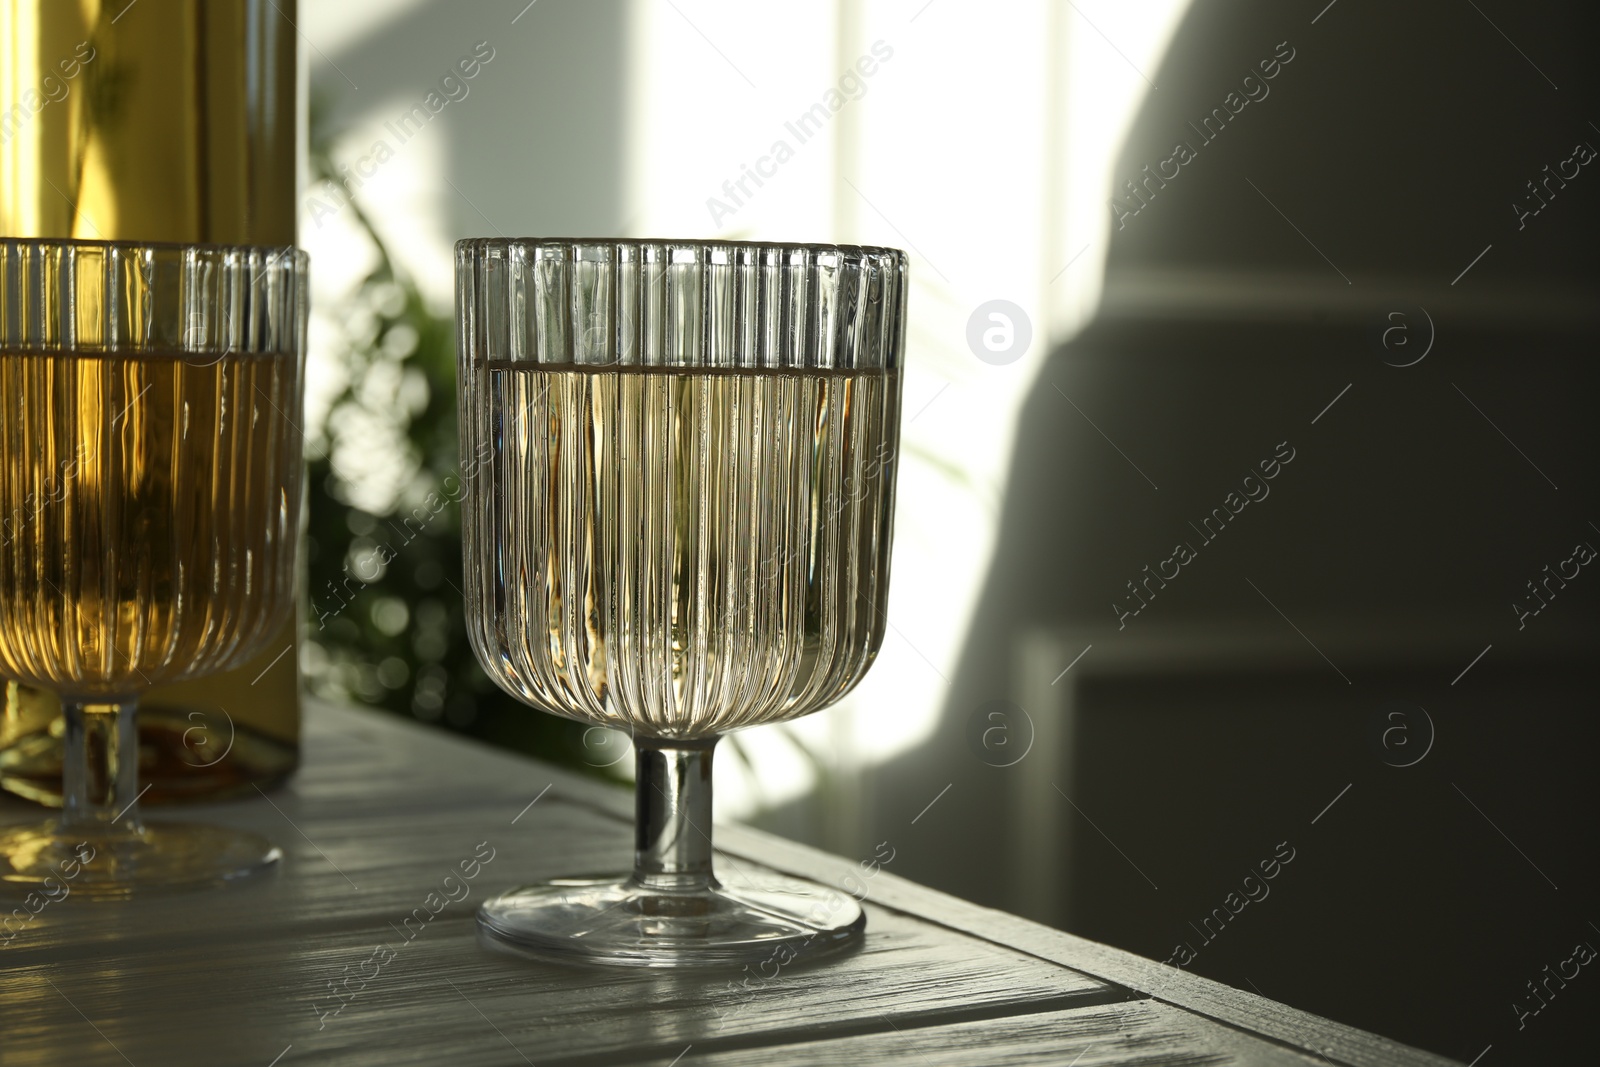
680 459
150 486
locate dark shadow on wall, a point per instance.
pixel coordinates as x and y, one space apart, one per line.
1242 707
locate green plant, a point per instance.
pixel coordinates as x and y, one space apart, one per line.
386 608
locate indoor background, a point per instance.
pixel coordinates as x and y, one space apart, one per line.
1247 480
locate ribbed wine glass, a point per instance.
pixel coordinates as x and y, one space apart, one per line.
681 465
150 484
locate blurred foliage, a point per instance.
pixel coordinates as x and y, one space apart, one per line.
386 624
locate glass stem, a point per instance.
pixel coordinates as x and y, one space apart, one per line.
672 849
100 767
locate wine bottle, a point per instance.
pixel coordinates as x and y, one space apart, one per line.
172 121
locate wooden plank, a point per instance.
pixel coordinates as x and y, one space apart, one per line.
201 997
1145 1033
239 974
383 811
1335 1041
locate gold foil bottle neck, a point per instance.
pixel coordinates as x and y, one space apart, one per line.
169 121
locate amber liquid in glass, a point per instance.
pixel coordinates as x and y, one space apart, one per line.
682 552
172 122
149 510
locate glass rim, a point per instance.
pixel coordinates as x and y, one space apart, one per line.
62 295
755 305
301 256
468 244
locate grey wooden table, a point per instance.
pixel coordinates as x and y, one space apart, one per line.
363 950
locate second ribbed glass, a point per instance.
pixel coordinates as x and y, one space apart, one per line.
680 459
150 486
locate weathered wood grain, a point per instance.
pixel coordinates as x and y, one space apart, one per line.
244 1003
382 812
369 830
1335 1042
1133 1034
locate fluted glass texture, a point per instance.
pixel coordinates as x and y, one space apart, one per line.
150 459
680 465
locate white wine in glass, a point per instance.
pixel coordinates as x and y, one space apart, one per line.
682 462
150 487
142 519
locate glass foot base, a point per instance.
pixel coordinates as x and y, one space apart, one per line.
161 856
617 922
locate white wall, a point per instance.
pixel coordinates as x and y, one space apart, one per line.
981 141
